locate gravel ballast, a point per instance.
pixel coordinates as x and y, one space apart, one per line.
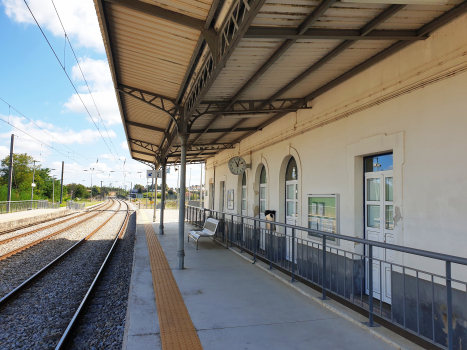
37 318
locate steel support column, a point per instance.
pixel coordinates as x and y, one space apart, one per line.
161 220
181 213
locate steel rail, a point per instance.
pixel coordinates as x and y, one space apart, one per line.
6 240
62 344
20 249
15 292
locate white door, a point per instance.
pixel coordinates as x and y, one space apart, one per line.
262 208
244 208
222 197
379 225
291 208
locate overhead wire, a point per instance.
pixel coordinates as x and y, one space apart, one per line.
40 141
11 107
67 38
69 79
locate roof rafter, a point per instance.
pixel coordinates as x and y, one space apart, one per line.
428 28
383 16
338 34
307 23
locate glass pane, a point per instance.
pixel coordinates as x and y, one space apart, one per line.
296 191
262 206
290 207
243 204
291 173
262 177
244 193
389 217
290 191
378 163
373 189
373 216
262 193
389 189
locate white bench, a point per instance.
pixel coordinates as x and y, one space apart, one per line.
209 230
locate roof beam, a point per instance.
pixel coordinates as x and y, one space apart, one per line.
383 16
428 28
239 18
338 34
160 12
145 153
146 145
307 23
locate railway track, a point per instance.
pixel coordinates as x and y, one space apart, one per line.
22 227
58 222
5 252
33 314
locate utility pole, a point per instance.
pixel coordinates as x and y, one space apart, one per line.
61 190
102 194
10 174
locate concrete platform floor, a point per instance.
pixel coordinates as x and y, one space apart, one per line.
18 215
233 303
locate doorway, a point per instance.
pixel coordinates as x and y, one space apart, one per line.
379 221
222 196
244 195
291 202
263 190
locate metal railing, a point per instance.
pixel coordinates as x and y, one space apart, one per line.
26 205
75 205
430 305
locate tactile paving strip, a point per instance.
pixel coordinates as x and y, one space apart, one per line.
177 329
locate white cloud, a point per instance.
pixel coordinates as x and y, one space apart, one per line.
78 17
53 137
98 77
124 145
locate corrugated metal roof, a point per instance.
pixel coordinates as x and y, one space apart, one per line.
155 53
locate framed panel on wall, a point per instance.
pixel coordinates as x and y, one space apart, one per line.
230 199
323 214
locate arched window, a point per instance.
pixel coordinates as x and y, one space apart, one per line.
291 191
291 173
262 191
244 194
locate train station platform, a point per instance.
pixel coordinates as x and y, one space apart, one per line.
30 216
226 302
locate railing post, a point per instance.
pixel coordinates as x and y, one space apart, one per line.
324 268
254 240
241 237
293 255
449 305
231 229
370 284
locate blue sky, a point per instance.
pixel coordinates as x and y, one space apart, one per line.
33 82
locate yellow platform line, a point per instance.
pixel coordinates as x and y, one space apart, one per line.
177 329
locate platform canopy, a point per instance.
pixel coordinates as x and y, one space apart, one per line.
220 70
